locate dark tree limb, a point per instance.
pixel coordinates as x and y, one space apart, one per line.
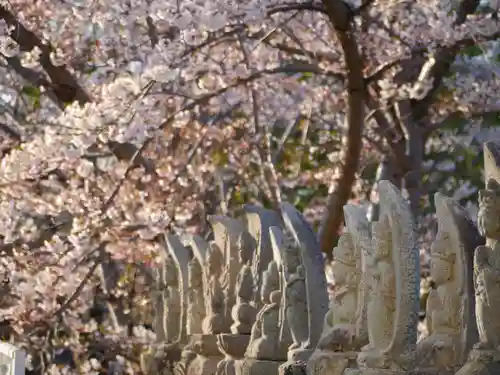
341 19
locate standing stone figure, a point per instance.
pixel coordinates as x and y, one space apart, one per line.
345 324
484 358
306 298
394 299
448 315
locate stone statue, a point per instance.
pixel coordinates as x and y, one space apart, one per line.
305 295
196 299
214 322
392 313
234 344
243 313
383 301
487 268
339 329
447 306
168 303
264 342
258 221
345 326
181 257
295 298
484 358
267 348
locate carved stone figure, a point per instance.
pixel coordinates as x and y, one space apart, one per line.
181 257
267 348
234 344
306 298
258 222
230 235
487 266
196 298
394 299
484 358
342 313
214 322
447 314
243 313
344 328
167 302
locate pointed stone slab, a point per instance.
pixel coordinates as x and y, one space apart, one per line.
358 226
405 257
181 256
259 221
492 161
454 221
312 259
226 232
199 246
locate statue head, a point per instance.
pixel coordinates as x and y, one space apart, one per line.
270 282
489 210
244 288
344 262
442 258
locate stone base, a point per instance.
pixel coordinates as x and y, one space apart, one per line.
481 362
293 368
324 362
256 367
203 366
299 355
373 371
226 367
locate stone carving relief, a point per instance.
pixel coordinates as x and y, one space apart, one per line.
447 314
484 358
345 325
305 293
393 306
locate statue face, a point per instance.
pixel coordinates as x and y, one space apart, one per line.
489 213
440 270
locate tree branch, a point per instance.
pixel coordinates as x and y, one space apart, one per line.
340 16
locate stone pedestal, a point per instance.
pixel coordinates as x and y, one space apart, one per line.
207 355
481 362
233 346
374 371
293 368
324 362
249 366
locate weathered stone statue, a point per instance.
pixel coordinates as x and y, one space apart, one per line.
198 281
234 344
170 309
345 326
258 222
266 351
393 306
306 298
484 358
231 237
448 314
196 298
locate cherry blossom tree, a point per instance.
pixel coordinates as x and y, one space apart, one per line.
124 120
